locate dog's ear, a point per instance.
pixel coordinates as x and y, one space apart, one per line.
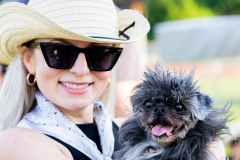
204 105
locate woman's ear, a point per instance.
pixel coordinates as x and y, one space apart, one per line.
28 59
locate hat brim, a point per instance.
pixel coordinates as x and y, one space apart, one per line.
20 23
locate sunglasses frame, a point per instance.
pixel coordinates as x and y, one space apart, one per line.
43 45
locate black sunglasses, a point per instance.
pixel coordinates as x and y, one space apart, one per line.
63 56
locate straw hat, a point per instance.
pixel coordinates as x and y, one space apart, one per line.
86 20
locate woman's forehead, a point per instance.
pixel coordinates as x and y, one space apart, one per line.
73 42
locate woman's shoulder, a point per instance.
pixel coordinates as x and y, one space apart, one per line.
27 144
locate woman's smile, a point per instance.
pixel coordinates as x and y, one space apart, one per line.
76 88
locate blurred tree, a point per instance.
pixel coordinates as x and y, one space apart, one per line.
222 7
166 10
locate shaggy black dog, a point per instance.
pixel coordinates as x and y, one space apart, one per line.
171 119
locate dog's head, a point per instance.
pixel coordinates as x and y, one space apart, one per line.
169 104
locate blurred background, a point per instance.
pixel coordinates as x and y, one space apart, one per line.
188 33
198 33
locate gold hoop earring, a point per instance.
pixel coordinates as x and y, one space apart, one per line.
28 78
109 82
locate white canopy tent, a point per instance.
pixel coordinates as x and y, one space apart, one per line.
198 38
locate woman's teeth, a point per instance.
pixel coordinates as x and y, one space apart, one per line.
75 86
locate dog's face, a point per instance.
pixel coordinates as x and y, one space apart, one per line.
166 119
169 105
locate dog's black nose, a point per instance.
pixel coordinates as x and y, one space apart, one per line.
160 110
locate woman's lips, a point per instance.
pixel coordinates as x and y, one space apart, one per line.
75 88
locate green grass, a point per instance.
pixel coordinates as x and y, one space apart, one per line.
223 90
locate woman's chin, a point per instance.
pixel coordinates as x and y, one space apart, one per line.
75 106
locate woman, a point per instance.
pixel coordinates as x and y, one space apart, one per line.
66 50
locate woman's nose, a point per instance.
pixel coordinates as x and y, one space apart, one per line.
80 66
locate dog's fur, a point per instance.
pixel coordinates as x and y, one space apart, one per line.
199 122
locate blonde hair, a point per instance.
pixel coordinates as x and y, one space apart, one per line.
17 97
108 98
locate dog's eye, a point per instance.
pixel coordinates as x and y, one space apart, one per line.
148 105
179 108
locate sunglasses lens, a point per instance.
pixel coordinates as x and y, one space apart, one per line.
102 58
59 56
63 56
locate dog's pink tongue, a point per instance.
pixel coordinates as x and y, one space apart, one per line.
160 129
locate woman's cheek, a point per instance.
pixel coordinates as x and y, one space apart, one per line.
102 77
47 78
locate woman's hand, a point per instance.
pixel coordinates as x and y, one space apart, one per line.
218 150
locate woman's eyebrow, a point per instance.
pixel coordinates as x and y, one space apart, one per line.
94 44
102 44
60 40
